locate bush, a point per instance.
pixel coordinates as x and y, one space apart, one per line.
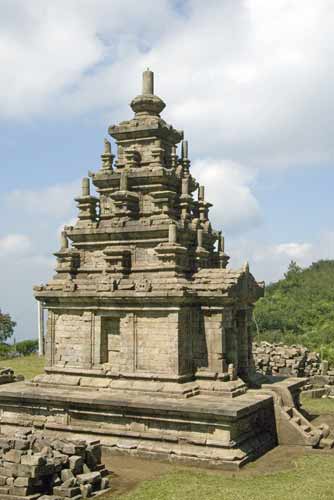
26 347
5 350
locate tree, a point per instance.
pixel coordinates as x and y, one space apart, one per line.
7 326
26 347
299 308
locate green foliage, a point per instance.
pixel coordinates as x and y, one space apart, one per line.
5 350
26 347
300 308
7 326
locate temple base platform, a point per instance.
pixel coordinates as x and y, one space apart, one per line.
203 429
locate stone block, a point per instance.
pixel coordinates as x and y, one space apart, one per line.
14 456
66 492
21 444
76 464
36 459
86 490
66 474
90 477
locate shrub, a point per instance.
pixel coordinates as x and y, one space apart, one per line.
26 347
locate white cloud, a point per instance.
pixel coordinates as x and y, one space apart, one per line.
270 261
47 48
14 245
56 200
249 80
228 187
294 250
26 251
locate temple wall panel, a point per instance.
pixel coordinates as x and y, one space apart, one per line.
156 342
92 259
72 332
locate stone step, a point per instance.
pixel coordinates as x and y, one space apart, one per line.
326 443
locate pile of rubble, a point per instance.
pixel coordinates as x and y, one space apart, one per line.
279 359
35 467
7 375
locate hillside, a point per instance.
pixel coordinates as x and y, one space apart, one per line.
299 308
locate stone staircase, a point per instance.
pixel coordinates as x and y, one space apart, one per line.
292 427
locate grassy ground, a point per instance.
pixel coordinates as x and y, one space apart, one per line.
318 406
310 478
29 366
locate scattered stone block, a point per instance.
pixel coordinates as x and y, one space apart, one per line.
31 464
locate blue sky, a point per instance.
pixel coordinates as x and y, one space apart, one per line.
249 81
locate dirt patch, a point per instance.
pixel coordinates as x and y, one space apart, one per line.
129 472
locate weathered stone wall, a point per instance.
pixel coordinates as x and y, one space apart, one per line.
72 331
156 342
279 359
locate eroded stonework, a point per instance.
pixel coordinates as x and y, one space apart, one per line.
143 292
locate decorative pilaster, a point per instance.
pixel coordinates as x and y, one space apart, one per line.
87 205
158 157
223 258
126 203
186 201
132 158
203 206
107 158
172 254
118 260
164 204
68 259
184 157
174 158
202 255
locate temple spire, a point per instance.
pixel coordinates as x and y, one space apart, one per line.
147 103
148 82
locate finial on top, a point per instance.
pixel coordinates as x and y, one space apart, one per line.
85 186
63 240
107 147
201 193
184 150
222 243
107 157
148 82
147 103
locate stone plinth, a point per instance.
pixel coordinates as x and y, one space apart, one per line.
200 428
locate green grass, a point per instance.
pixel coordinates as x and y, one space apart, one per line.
311 478
318 406
29 366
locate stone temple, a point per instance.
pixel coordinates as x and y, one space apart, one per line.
148 342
